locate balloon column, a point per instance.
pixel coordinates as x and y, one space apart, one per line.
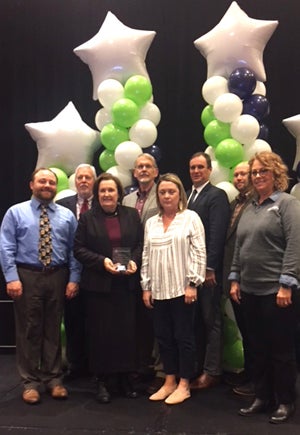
128 117
234 117
293 126
237 107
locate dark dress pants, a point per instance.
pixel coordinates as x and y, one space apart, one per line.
271 332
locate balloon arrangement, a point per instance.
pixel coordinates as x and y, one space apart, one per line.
234 117
237 107
293 126
128 117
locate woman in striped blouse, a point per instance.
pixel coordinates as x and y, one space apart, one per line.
174 262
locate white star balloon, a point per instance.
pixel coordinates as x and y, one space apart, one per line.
64 142
115 52
236 41
293 126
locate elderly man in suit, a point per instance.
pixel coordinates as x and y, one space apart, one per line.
241 181
74 313
212 205
144 200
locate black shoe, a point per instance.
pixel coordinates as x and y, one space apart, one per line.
126 387
102 395
257 406
245 389
282 413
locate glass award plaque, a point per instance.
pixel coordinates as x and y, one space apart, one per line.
121 257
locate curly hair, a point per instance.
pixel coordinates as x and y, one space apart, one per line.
275 164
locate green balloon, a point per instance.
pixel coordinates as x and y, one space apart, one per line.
139 89
125 112
62 179
63 334
229 152
215 132
231 333
112 135
107 160
233 355
207 115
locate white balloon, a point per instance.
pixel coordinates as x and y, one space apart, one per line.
229 188
63 194
150 111
219 173
115 52
64 142
260 88
236 41
123 174
213 88
211 152
126 154
245 129
102 118
109 91
143 132
72 182
293 126
227 107
295 191
257 146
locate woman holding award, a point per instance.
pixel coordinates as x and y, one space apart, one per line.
108 243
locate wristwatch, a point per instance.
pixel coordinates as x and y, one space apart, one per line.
285 286
192 284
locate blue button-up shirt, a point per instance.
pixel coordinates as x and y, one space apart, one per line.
19 238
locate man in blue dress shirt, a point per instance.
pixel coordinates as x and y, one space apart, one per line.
38 291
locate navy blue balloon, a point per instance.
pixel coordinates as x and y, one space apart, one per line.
242 82
256 105
130 189
263 132
155 151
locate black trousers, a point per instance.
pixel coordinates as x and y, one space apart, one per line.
272 338
174 330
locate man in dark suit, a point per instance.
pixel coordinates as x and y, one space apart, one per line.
241 181
212 205
74 313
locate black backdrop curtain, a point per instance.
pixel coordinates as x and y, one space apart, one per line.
40 73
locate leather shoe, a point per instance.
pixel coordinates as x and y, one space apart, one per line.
282 413
163 393
245 389
127 388
102 395
257 406
205 381
31 396
178 396
58 392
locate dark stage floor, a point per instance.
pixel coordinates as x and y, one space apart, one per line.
210 412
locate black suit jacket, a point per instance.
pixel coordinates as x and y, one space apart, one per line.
92 246
212 206
69 202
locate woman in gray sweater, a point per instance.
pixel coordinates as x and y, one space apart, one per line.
264 279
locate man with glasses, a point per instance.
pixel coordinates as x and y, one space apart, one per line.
243 384
144 200
211 204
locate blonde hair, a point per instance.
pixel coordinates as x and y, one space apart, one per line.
274 163
182 204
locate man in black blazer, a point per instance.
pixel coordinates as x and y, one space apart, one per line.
212 205
74 313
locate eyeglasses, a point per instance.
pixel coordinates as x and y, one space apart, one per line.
141 167
259 172
240 174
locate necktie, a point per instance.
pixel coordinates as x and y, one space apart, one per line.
193 196
84 207
45 241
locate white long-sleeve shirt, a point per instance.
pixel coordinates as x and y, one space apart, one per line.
173 258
